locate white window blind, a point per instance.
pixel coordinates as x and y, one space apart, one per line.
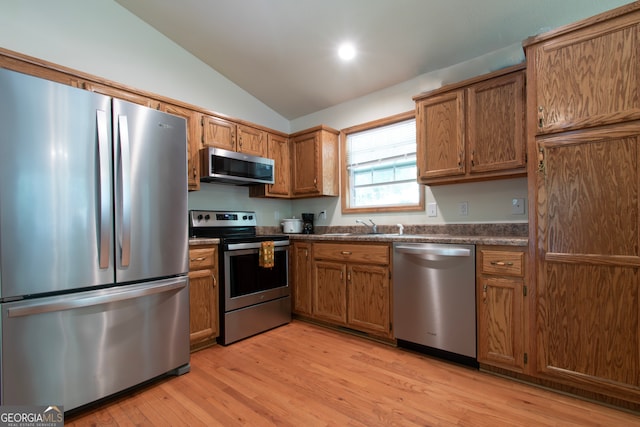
381 163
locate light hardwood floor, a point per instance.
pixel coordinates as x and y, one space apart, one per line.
305 375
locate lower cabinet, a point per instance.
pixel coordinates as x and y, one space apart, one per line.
301 278
350 286
500 295
203 296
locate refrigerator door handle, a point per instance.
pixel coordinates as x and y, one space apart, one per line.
104 185
125 191
97 298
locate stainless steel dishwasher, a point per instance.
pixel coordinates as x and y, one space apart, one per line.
434 303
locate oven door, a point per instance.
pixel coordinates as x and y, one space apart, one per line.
246 283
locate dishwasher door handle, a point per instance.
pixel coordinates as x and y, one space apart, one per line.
421 250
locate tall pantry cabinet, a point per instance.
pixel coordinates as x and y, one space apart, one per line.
583 109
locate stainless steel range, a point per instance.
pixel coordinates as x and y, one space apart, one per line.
253 298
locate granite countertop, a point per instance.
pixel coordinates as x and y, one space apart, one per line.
415 238
195 241
507 234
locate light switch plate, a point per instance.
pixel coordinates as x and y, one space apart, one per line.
517 206
432 209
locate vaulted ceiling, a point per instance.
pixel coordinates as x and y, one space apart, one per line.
283 52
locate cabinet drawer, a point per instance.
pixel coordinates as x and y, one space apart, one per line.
503 263
371 254
201 258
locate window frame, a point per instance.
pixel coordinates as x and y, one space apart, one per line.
345 183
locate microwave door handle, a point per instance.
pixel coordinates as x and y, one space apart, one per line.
104 186
125 191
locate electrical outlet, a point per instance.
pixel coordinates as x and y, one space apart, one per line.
517 206
432 209
323 215
276 215
463 208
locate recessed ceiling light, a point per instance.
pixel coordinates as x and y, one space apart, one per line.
346 51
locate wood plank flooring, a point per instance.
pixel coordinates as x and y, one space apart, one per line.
304 375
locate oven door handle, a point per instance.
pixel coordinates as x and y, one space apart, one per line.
254 245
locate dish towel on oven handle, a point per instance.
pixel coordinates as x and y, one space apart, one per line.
266 255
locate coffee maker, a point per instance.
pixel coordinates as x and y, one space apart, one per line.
307 223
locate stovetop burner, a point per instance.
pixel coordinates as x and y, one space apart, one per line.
231 226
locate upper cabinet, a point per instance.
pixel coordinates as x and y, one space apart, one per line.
278 149
221 133
252 141
193 141
588 78
314 157
217 132
473 130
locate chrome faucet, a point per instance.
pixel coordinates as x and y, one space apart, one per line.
374 227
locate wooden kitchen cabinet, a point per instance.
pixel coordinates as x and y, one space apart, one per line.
583 130
193 141
588 77
278 149
500 296
314 157
301 278
252 141
203 296
588 267
473 130
217 132
352 286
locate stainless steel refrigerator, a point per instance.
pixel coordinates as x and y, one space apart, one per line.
94 292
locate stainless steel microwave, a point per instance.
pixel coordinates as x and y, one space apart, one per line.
230 167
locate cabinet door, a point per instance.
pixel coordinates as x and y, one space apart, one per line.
369 298
305 164
203 311
278 150
302 285
330 291
495 124
219 133
589 77
193 141
252 141
500 322
440 135
589 246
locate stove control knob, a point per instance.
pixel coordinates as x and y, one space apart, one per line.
199 217
207 217
244 217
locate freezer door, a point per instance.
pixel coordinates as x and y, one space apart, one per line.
56 220
77 348
151 193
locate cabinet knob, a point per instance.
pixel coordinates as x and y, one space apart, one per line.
346 252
